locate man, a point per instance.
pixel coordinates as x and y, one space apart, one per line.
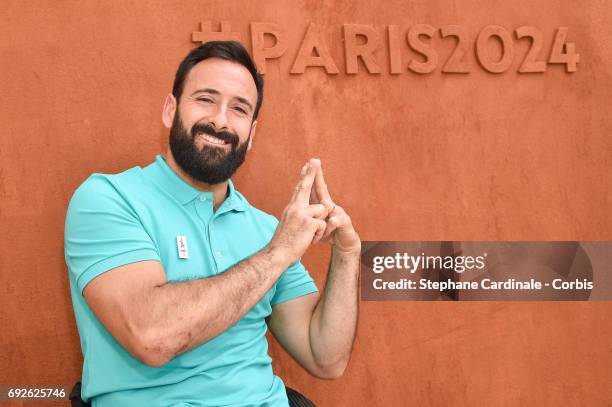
174 275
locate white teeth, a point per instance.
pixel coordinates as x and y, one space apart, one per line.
212 139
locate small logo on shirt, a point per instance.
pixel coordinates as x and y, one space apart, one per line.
181 246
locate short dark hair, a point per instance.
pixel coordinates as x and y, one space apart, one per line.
228 50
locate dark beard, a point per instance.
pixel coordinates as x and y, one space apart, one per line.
212 165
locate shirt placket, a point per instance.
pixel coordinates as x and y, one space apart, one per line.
217 239
204 209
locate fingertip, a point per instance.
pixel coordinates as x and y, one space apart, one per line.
312 168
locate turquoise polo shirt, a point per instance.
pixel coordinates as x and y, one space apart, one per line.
146 214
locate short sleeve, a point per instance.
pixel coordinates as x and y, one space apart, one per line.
102 232
294 282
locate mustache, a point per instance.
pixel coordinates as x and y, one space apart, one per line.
208 129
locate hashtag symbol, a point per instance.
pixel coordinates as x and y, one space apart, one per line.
207 34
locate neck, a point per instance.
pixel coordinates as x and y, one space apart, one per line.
219 190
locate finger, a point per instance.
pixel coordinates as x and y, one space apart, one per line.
321 225
318 236
304 186
332 224
335 211
314 199
303 172
338 211
321 189
317 211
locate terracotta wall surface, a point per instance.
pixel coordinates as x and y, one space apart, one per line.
435 156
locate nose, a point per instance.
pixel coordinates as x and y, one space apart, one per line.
219 119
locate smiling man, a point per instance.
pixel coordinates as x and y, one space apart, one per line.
175 277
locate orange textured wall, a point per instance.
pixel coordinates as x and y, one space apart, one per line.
434 156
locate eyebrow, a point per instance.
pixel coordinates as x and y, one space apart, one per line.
216 92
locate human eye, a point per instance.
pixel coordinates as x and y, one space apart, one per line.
205 99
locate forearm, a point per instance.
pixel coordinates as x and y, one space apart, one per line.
334 321
181 316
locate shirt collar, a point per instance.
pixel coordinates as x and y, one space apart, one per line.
173 184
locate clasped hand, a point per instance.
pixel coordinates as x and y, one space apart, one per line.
312 216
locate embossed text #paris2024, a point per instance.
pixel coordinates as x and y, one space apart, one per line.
493 48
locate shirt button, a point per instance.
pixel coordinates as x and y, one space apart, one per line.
219 254
202 198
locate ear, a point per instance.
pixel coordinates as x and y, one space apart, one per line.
252 134
169 110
